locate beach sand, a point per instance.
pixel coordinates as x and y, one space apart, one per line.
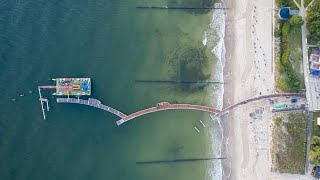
248 73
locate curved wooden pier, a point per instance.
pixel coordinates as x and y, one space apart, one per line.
167 106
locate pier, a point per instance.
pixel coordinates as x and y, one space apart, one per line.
163 106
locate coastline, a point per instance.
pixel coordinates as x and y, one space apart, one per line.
228 93
214 39
228 98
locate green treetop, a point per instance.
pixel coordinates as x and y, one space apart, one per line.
296 21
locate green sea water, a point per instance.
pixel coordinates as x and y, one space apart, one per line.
115 44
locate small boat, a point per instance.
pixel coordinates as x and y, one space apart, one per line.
196 129
202 124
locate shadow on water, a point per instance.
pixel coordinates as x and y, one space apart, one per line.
181 82
177 160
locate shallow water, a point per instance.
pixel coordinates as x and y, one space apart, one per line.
114 44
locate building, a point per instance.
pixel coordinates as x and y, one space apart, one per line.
73 87
315 62
286 12
313 80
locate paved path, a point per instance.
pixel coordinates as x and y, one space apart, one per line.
304 33
309 134
297 4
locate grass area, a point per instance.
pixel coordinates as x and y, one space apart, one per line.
289 142
295 49
293 5
289 3
307 2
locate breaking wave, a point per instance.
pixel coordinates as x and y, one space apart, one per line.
214 39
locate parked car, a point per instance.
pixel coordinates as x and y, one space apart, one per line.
316 172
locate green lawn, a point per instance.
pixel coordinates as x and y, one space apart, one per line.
307 2
293 5
295 50
295 46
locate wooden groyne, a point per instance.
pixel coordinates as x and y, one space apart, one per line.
177 160
178 82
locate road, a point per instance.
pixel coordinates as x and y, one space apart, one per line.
304 34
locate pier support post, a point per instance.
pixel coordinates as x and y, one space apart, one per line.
41 102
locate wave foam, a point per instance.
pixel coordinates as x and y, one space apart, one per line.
214 39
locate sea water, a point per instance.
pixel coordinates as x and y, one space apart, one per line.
114 44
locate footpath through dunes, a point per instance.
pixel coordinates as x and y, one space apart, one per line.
167 106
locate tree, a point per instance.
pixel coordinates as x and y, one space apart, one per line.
315 150
296 21
313 22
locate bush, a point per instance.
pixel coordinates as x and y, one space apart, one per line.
296 84
315 150
285 59
296 21
286 29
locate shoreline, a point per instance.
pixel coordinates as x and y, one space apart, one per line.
214 40
228 95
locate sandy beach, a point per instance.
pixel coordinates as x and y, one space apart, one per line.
248 73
